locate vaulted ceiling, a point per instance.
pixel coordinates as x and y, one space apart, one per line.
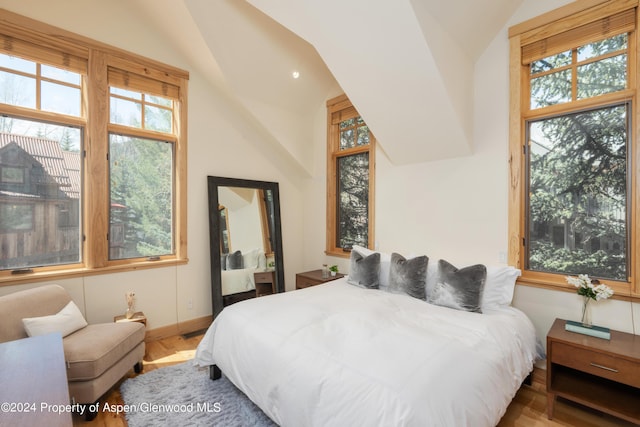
407 65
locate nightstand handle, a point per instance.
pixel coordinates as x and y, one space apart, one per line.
606 368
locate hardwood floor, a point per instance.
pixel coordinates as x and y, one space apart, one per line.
528 408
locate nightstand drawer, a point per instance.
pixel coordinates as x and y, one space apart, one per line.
263 277
595 363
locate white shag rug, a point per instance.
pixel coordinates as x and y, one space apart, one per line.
183 395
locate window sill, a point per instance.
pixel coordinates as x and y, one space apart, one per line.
338 252
619 292
7 279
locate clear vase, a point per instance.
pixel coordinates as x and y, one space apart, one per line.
325 271
586 312
129 313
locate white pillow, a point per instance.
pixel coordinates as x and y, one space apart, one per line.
262 260
255 258
499 287
250 259
66 321
385 263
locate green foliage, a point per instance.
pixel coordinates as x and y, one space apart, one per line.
142 182
353 188
545 257
578 185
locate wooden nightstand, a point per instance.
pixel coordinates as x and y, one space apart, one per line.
312 278
265 281
138 316
601 374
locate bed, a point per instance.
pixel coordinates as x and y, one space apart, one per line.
338 354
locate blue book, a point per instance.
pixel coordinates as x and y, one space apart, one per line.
594 331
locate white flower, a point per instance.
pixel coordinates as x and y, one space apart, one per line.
603 292
586 288
581 281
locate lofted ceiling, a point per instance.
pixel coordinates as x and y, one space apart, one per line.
407 65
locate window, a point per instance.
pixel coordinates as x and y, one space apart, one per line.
141 166
40 186
572 174
350 178
92 156
15 218
141 183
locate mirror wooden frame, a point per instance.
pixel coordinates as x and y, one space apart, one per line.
213 183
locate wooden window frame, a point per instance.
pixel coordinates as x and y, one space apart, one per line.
342 108
558 27
33 40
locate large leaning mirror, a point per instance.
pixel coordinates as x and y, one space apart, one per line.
245 239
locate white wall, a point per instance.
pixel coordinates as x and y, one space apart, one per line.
457 209
221 143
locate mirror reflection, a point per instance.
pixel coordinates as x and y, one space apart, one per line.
246 253
245 240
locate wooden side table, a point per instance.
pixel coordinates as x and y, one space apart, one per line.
265 281
598 373
312 278
138 316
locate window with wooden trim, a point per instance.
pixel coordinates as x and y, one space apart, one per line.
92 156
141 165
573 182
350 178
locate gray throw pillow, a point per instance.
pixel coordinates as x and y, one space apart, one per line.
235 261
364 271
408 276
459 288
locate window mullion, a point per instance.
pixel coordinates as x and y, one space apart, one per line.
574 75
96 218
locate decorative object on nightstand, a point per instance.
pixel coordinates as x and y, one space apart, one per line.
131 302
589 289
312 278
599 374
325 271
333 269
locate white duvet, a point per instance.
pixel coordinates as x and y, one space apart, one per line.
339 355
239 280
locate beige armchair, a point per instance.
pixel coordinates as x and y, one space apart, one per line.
97 355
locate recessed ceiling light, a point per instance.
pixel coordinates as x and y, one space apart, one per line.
295 74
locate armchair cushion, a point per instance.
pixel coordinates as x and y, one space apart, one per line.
92 350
